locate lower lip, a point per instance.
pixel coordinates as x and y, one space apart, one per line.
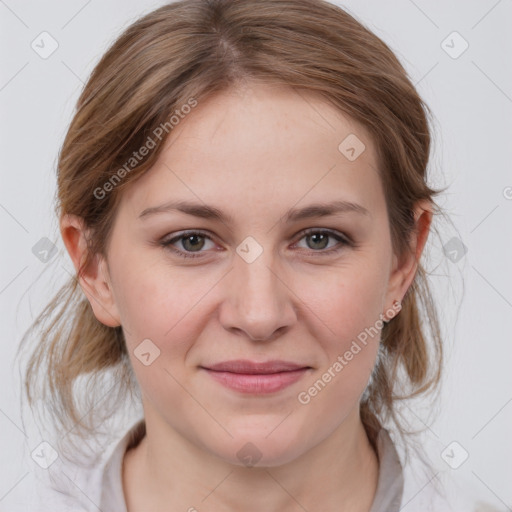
257 383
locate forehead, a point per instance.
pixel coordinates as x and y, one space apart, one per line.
261 145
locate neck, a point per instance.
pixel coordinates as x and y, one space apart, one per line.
167 472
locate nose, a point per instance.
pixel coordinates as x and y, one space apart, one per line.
258 300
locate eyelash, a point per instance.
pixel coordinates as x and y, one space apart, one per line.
343 239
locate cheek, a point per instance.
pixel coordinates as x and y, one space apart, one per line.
168 308
347 305
160 325
345 301
350 342
158 302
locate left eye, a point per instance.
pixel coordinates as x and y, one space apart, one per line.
320 240
193 241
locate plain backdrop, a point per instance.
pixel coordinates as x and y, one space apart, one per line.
458 55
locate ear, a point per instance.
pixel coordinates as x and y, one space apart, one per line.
94 279
404 268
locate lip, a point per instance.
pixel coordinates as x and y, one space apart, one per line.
256 377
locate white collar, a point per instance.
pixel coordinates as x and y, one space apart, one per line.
388 495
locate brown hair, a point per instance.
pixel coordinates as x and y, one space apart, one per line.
186 51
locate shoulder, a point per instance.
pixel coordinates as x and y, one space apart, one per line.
112 496
413 484
441 492
433 488
77 486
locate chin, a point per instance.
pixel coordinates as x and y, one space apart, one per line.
261 455
265 447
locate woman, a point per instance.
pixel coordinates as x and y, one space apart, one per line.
243 194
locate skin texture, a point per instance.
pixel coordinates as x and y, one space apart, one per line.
253 153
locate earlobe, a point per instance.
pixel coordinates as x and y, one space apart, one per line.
94 278
392 312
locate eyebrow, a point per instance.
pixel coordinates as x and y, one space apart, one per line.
295 214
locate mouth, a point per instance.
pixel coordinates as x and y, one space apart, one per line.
256 377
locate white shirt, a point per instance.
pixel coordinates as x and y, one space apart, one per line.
67 487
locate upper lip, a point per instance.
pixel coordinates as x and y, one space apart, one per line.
253 367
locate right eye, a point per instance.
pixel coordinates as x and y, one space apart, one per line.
191 242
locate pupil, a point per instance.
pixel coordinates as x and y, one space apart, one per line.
192 237
319 235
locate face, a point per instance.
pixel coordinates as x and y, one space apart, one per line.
267 279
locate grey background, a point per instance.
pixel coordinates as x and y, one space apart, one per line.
471 97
